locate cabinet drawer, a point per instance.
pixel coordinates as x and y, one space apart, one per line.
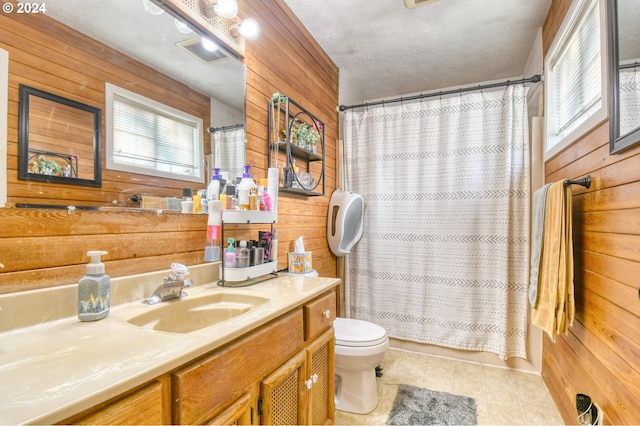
202 389
319 314
146 406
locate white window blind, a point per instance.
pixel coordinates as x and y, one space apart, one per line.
575 76
578 71
144 136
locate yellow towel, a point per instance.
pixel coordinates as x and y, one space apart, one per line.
556 305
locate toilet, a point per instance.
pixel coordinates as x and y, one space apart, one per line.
360 347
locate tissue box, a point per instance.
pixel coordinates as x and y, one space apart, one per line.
300 262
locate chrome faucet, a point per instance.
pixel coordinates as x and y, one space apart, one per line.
173 285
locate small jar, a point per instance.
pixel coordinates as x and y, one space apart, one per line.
242 255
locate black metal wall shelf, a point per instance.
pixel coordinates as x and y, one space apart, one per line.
296 136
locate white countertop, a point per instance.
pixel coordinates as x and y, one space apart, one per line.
52 368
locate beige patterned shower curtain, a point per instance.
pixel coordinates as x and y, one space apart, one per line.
229 149
444 255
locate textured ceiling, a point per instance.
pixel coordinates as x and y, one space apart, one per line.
385 49
125 26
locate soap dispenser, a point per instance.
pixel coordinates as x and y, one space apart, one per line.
244 188
94 290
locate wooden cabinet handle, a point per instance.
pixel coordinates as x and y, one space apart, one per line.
327 314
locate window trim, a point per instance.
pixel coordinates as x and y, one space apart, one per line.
597 114
110 91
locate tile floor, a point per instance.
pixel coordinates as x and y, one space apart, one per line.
503 397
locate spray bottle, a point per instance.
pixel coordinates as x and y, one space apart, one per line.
214 231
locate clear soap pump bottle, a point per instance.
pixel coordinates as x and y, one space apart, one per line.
94 290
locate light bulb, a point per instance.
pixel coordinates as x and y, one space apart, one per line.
249 29
208 44
182 27
226 8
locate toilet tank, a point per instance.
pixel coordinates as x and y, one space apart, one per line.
344 224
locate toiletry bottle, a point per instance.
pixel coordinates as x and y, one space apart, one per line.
253 199
244 188
274 248
231 199
94 290
242 255
214 231
259 256
213 189
230 255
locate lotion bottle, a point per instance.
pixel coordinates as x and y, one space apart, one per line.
94 290
213 189
244 188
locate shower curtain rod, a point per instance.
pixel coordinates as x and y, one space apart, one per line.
627 66
533 79
231 127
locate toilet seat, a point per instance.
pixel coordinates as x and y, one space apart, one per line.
357 333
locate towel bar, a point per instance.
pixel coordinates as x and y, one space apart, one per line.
585 181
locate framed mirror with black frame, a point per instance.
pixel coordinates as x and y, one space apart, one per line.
624 74
59 139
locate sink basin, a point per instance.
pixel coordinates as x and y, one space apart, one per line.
194 313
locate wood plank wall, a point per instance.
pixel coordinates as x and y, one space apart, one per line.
600 356
42 248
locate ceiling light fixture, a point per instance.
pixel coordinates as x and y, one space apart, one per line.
249 29
182 27
208 44
152 8
226 8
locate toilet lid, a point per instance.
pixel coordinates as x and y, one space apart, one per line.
354 332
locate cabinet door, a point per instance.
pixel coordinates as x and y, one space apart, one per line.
283 393
238 413
321 362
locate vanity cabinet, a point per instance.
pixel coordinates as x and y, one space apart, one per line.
271 376
302 390
279 373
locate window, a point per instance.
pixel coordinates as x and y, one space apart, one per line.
147 137
575 76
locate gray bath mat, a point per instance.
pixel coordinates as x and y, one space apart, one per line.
418 406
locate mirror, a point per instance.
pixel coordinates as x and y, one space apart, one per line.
59 139
624 74
156 41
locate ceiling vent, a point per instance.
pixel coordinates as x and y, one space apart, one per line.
415 3
194 47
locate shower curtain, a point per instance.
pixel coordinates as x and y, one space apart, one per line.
629 100
444 255
229 148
